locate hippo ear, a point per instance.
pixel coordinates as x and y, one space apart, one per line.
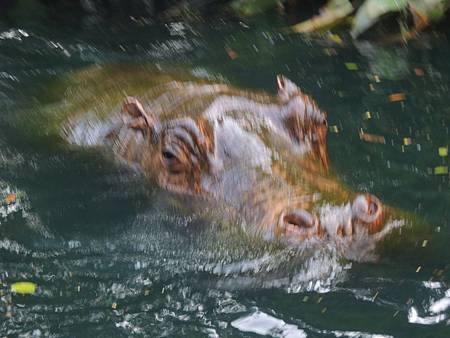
140 119
286 88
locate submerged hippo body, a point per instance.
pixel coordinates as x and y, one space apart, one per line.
262 156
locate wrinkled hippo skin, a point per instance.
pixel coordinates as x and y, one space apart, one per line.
262 156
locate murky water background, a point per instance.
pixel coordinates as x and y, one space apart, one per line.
112 258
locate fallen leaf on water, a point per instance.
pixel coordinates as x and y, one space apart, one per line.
28 288
418 268
375 296
419 72
372 138
441 170
407 141
443 151
330 51
334 129
10 198
335 38
367 115
231 54
397 97
114 306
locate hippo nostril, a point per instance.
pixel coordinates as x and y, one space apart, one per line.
299 218
299 224
368 210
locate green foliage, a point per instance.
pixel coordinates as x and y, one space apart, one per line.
373 13
252 7
424 13
434 10
332 14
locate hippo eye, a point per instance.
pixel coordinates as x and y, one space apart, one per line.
168 155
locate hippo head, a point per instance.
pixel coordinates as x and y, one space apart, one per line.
263 157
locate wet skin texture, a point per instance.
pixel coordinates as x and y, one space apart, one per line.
260 156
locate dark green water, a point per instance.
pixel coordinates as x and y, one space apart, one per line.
112 259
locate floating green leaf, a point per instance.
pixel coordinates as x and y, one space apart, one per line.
431 10
443 151
24 288
351 66
441 170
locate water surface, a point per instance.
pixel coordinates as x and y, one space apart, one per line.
113 258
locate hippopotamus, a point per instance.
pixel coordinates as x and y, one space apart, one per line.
257 155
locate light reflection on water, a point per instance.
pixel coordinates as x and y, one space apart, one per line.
111 257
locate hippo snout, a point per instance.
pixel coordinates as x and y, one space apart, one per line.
365 215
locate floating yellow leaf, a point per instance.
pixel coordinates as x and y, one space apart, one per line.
441 170
28 288
407 141
351 66
367 115
334 129
443 151
335 38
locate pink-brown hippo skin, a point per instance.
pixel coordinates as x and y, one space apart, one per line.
262 157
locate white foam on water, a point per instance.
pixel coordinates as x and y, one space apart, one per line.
21 205
414 318
440 305
432 285
14 34
266 325
358 334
